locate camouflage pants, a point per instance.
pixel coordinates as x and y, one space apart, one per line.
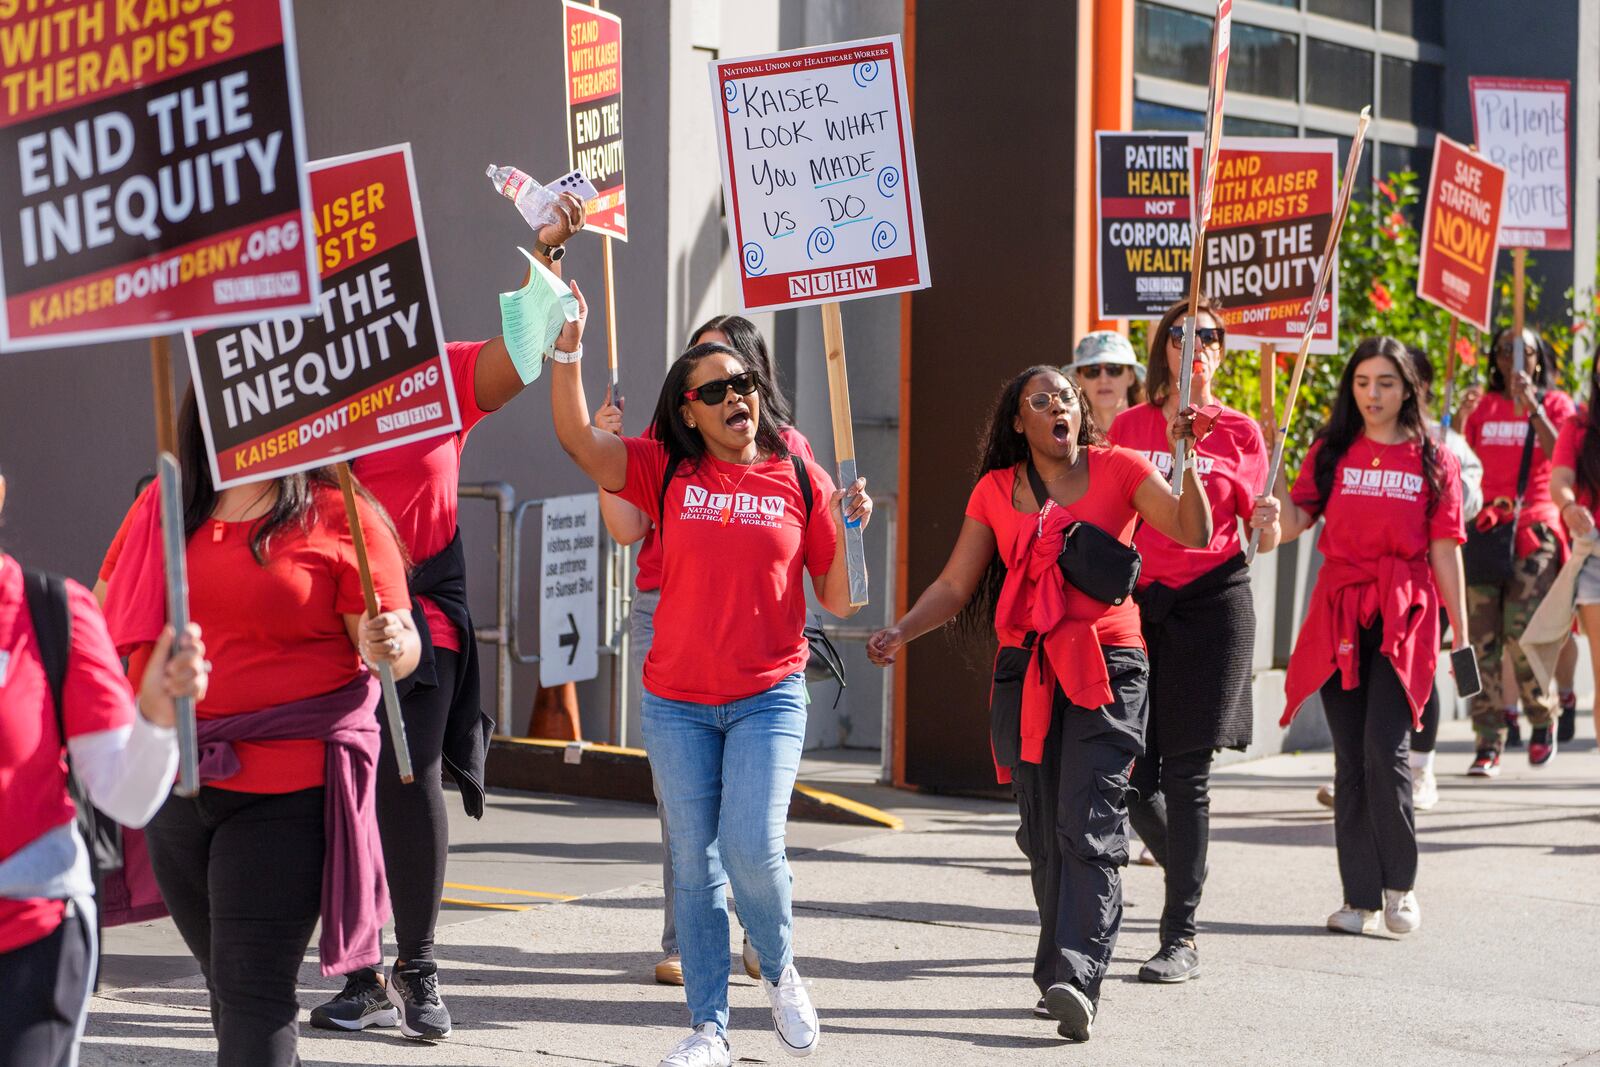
1496 617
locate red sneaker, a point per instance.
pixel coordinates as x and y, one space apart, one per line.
1541 746
1487 765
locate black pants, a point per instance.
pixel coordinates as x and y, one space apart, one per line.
242 875
1074 826
1373 824
412 821
1171 809
46 985
1423 740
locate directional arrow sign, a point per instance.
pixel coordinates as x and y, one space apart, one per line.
569 590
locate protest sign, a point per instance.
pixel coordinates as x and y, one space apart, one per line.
152 170
819 174
367 371
1520 124
1142 186
593 54
1272 208
569 586
1460 232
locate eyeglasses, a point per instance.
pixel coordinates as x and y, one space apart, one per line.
714 393
1041 401
1110 370
1205 336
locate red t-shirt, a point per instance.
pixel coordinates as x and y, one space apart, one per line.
733 600
1115 474
1569 446
1496 433
1381 511
417 483
276 634
33 769
649 555
1232 462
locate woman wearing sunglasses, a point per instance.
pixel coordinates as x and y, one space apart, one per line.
1389 495
1068 706
723 710
1108 374
1520 412
1199 625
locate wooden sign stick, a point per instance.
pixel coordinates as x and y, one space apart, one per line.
844 448
1450 374
1519 355
1269 390
611 323
391 699
1330 255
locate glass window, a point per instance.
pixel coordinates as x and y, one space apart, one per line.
1411 92
1394 158
1295 4
1422 19
1264 62
1151 116
1337 76
1172 44
1235 126
1349 10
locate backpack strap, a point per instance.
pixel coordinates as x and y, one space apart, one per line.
804 479
52 623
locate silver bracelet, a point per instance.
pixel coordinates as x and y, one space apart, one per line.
566 357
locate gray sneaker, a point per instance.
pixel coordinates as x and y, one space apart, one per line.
414 990
1176 962
1072 1009
360 1004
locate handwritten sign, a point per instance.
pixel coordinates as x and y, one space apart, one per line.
819 174
1272 208
1520 125
1461 232
1142 186
593 56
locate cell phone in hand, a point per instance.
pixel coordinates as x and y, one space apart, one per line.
576 184
1464 665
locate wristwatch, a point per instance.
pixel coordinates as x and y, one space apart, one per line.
551 252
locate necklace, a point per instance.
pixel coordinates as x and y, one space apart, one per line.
727 509
1377 455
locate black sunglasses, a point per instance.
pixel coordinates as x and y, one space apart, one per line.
714 393
1205 336
1110 370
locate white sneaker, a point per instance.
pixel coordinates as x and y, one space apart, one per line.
704 1047
1424 789
1348 920
793 1018
1401 913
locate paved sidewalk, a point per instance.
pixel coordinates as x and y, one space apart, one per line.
918 944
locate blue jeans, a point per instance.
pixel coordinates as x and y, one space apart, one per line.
725 773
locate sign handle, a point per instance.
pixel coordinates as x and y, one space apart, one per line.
1450 374
391 699
1269 390
844 447
174 546
161 381
1519 296
611 322
1330 256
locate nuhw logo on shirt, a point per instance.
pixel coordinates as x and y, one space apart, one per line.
1511 432
1392 485
703 504
1163 462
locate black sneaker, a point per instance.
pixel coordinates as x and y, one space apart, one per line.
360 1004
414 989
1072 1008
1513 730
1541 746
1486 765
1176 962
1569 718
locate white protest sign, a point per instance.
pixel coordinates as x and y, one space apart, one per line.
819 174
569 573
1520 124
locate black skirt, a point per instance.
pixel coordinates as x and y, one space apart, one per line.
1201 640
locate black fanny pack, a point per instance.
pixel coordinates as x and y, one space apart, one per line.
1091 560
1005 701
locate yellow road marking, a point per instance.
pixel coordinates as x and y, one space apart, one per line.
482 904
509 892
855 807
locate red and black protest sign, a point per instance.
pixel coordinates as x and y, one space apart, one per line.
593 54
367 371
152 169
1461 232
1272 208
1142 187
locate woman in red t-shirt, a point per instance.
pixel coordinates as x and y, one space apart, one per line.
123 752
283 830
1575 489
1199 623
1389 494
723 712
1497 425
1065 726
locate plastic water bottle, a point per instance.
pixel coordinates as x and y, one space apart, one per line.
537 204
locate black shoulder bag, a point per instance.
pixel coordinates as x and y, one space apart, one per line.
1490 557
1091 560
